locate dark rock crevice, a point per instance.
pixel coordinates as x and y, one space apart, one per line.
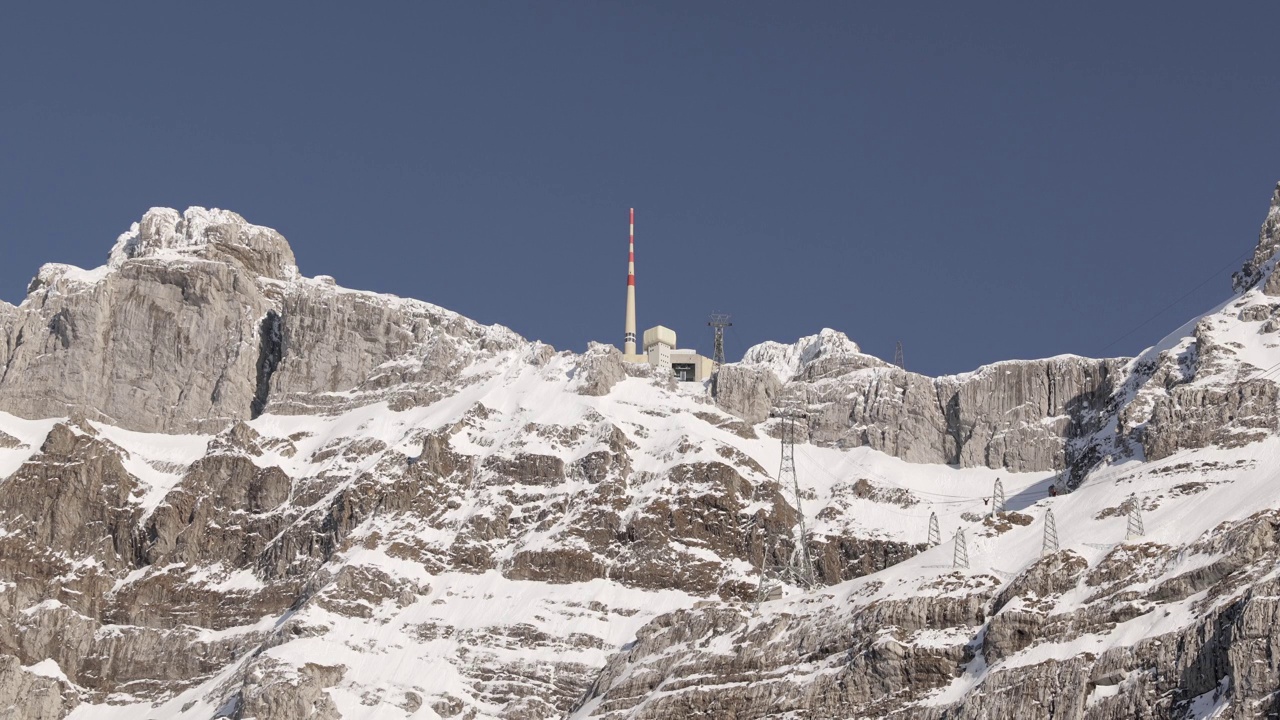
270 352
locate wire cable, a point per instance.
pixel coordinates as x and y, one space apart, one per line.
1186 295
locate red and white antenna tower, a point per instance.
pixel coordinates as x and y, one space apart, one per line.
629 336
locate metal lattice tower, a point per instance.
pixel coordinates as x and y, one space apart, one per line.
719 321
997 498
960 560
1134 528
769 584
800 567
935 535
1050 545
897 356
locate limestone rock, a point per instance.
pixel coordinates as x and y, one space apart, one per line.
1194 417
884 658
200 319
25 695
599 369
746 391
218 235
1019 415
1268 241
273 691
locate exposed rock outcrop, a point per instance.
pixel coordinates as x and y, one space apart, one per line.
1019 415
890 658
27 695
200 319
599 369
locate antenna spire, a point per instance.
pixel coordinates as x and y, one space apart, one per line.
629 333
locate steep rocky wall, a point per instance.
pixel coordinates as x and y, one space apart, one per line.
151 346
140 587
201 319
1018 414
888 658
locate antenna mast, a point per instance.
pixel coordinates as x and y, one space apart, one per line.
629 332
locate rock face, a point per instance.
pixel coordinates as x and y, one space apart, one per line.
201 319
868 655
1184 627
232 491
1268 242
600 369
1019 415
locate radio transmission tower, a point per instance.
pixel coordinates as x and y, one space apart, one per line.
1050 545
801 564
897 357
1134 528
935 535
960 560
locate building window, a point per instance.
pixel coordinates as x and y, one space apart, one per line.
684 371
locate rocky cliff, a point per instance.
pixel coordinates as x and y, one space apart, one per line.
201 319
1019 415
1147 592
233 491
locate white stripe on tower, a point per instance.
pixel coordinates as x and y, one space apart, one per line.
629 336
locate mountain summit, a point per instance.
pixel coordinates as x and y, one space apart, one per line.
234 491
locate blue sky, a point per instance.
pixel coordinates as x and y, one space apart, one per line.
980 181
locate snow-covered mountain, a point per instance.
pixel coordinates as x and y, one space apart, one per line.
233 491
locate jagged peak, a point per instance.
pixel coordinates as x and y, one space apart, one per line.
1255 267
164 233
211 233
1269 234
788 361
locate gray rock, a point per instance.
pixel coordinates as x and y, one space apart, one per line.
277 691
1268 241
598 370
747 392
1256 313
873 666
201 319
28 696
1196 417
1018 414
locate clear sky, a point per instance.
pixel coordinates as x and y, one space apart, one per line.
981 181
